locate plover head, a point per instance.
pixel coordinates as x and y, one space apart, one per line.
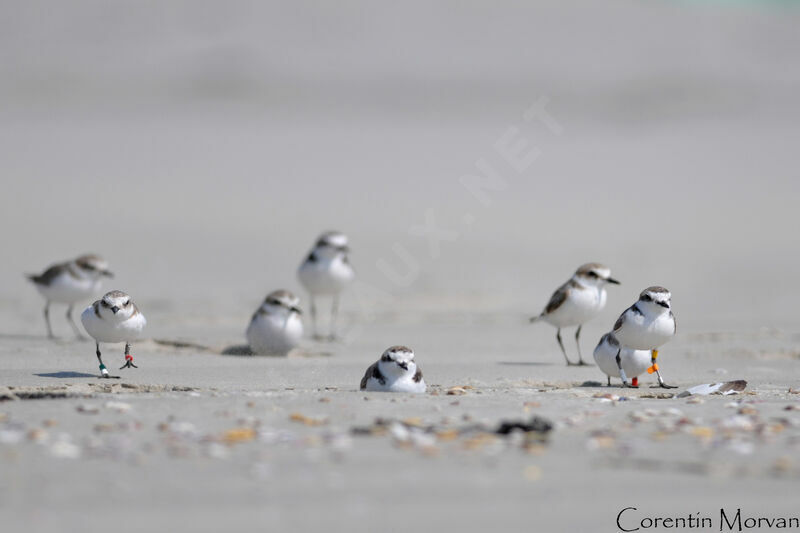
116 305
93 266
331 243
656 298
595 274
282 301
397 360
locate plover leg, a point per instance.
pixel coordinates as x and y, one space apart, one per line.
622 375
581 362
128 358
47 320
664 385
103 369
334 316
561 343
658 373
72 323
313 311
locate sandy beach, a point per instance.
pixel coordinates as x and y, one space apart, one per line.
201 150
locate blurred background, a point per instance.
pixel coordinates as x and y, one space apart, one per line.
202 146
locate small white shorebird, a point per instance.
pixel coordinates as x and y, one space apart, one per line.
69 283
114 319
276 326
326 272
396 371
576 302
633 362
646 325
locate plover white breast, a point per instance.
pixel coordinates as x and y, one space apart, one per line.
325 272
69 283
114 319
276 326
395 371
576 302
646 325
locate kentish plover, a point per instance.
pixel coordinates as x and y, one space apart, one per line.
646 325
276 326
395 371
634 362
326 272
114 319
576 302
69 283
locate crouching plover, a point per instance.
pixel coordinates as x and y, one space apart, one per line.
396 371
633 362
276 327
69 283
326 272
646 325
576 302
113 319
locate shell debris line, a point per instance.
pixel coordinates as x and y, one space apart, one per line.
414 433
739 429
738 433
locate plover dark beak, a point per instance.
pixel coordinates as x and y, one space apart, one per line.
296 310
664 304
115 309
107 273
404 366
613 281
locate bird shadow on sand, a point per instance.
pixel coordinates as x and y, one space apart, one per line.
244 350
54 340
20 337
524 363
238 349
65 375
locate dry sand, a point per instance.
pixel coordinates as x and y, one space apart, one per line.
202 149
